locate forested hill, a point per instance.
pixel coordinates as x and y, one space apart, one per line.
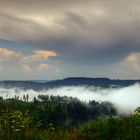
72 81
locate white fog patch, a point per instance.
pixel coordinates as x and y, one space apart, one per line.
125 99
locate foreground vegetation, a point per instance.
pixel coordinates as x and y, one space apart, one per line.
64 118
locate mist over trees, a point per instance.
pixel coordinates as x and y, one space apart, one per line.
62 117
59 110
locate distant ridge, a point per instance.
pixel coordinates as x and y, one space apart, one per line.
71 81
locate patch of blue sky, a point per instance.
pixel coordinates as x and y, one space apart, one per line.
15 46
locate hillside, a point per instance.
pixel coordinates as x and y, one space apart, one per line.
72 81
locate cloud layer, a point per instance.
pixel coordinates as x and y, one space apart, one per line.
83 33
35 61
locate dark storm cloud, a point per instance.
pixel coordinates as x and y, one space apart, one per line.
80 31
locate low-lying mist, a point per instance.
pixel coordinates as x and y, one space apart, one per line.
125 99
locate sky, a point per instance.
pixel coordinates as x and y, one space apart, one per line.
55 39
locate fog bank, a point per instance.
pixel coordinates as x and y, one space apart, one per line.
125 99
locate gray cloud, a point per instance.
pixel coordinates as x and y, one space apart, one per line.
81 32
